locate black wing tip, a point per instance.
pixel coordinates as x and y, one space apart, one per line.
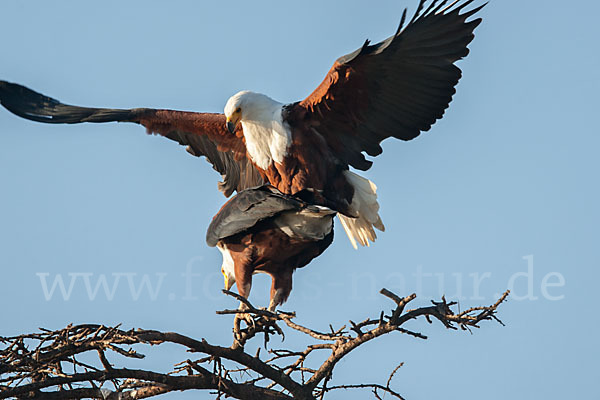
26 103
4 85
34 106
401 24
436 7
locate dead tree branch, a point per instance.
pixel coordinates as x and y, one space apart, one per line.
48 364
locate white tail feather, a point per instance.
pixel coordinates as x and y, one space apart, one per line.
364 204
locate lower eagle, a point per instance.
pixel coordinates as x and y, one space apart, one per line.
264 230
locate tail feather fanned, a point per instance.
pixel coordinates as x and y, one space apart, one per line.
361 230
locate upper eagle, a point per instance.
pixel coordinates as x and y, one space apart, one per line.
396 88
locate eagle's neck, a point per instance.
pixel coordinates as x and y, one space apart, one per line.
267 136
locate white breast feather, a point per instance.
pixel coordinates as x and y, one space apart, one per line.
267 137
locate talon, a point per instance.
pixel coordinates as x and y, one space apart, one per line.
249 321
247 318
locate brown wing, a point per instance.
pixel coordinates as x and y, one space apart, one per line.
205 134
396 88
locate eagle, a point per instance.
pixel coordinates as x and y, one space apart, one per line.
395 88
262 230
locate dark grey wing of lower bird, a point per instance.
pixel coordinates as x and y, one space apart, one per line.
246 209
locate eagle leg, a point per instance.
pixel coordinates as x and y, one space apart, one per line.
244 290
281 286
274 302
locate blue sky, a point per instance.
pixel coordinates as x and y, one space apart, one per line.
501 192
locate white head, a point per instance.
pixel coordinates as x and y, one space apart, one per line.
227 269
249 106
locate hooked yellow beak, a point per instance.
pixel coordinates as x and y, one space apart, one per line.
228 283
230 126
233 120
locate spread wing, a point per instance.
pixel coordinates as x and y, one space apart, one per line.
204 134
396 88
